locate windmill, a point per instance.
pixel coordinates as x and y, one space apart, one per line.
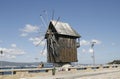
62 42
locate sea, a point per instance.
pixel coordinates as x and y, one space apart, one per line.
47 65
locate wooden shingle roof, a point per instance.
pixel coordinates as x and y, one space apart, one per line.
64 28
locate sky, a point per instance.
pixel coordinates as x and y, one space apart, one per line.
24 22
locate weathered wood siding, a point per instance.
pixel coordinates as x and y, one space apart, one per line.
67 51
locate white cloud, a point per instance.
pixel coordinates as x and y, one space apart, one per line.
43 53
84 50
30 28
12 52
24 34
38 41
88 44
10 56
84 42
87 50
13 45
91 50
96 41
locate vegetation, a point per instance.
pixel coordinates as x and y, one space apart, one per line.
115 62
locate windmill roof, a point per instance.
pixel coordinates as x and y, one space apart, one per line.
64 28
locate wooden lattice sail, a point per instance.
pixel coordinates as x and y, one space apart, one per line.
61 43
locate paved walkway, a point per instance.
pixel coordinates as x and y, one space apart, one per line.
82 75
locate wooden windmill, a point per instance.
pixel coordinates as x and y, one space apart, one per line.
61 43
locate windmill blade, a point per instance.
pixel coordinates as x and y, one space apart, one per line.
46 16
55 50
51 57
41 30
53 45
41 34
43 21
40 42
43 50
53 14
52 48
53 38
57 21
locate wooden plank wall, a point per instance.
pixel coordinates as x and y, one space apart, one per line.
67 50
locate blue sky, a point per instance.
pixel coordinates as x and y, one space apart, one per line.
94 20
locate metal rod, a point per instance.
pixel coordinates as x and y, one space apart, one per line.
93 56
1 53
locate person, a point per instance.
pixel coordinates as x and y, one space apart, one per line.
41 65
53 71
